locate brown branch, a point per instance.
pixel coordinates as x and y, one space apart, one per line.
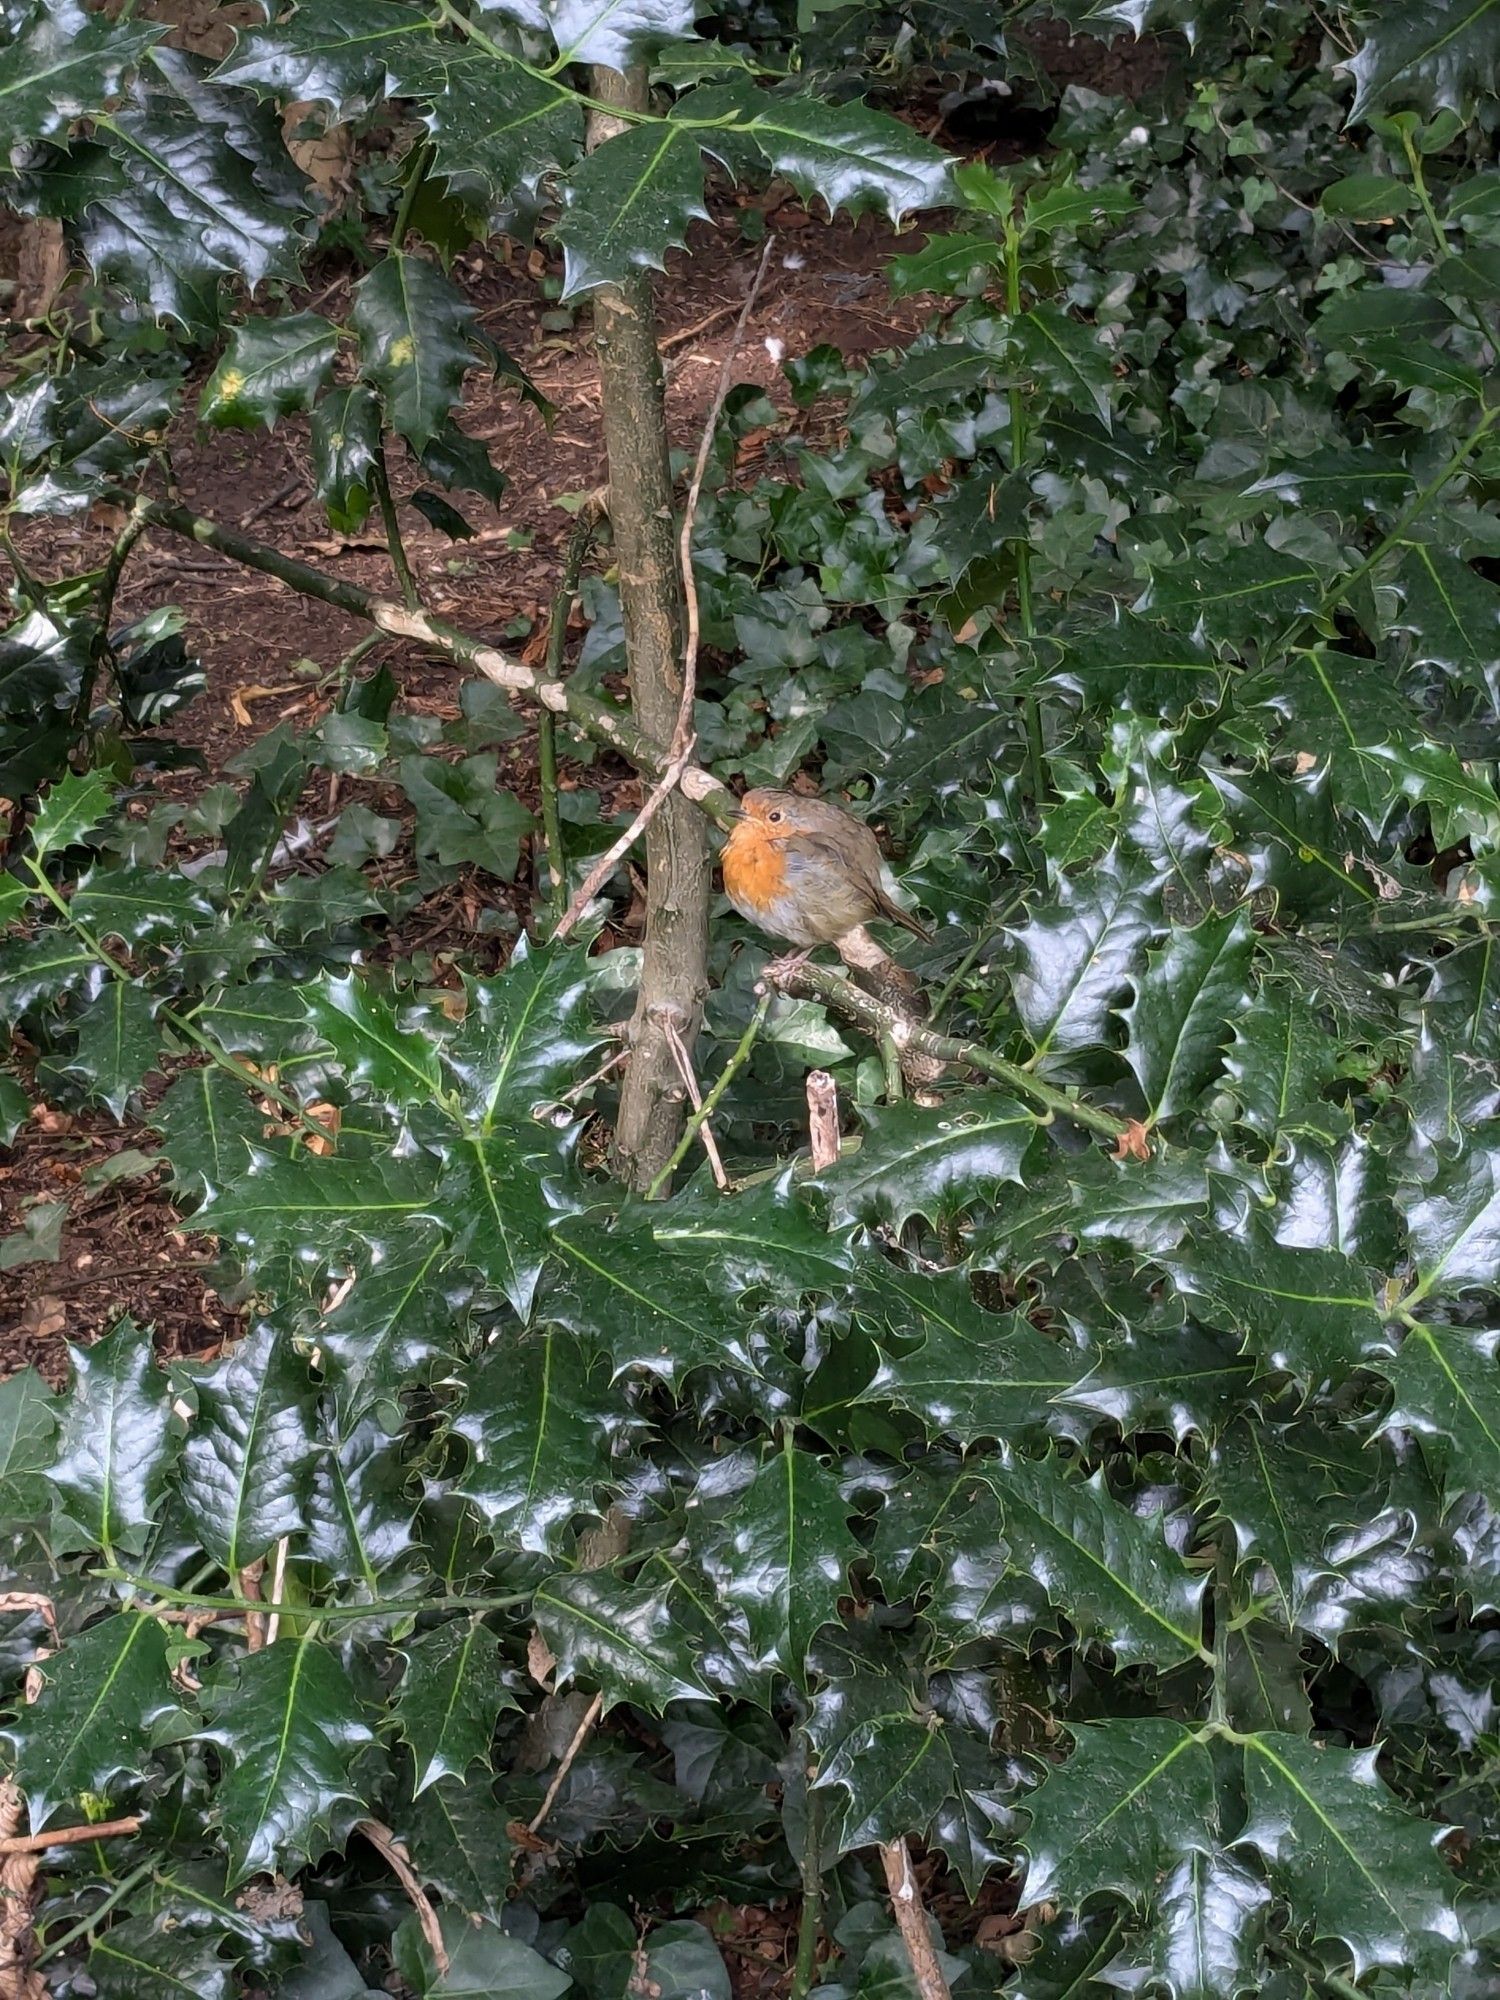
605 866
822 1119
396 1857
877 1018
70 1836
255 1621
911 1921
682 734
569 1756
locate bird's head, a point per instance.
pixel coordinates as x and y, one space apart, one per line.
778 815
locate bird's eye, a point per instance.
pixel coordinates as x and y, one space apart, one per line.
775 816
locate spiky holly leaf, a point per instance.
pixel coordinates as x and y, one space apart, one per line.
779 1553
360 1514
115 1445
645 1307
415 336
1436 53
1134 1796
91 1725
452 1691
336 53
931 1161
1245 595
291 1723
246 1467
208 1125
524 1033
1067 358
614 33
1446 1384
1132 664
1288 1490
538 1421
344 443
139 905
500 1194
1186 1001
1311 1313
64 64
1352 1862
628 203
1451 612
457 1837
621 1637
28 1425
1207 1923
404 1307
146 1958
496 126
1281 1062
1078 954
1108 1569
270 368
297 1213
73 807
772 1238
1454 1223
373 1048
118 1043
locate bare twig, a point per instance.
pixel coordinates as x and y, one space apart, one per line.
255 1621
262 507
710 1104
681 736
32 1600
278 1578
822 1118
695 1098
70 1836
559 1777
605 866
911 1921
398 1860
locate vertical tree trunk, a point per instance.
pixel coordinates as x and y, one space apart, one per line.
674 976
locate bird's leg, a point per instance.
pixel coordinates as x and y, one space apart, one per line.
793 962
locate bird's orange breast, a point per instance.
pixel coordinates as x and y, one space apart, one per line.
754 868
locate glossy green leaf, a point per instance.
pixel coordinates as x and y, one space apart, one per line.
115 1445
414 330
537 1421
362 1028
1436 52
118 1044
344 441
524 1035
246 1464
1455 1224
1186 1001
620 1637
269 369
1311 1313
1078 955
929 1161
71 810
146 1959
456 1836
28 1425
331 52
61 66
628 203
451 1693
1206 1930
1445 1383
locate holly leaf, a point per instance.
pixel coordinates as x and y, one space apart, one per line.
524 1034
118 1044
1281 1062
1445 1384
1191 992
246 1467
1135 1795
1454 1223
928 1161
1078 955
624 1637
538 1425
496 127
28 1425
147 1958
373 1049
1239 598
779 1555
613 33
628 203
1352 1863
403 1308
91 1725
330 52
115 1445
1436 53
1310 1313
415 333
457 1838
1204 1937
452 1691
1452 614
345 444
1110 1571
64 64
645 1307
290 1723
208 1126
270 368
1068 358
72 809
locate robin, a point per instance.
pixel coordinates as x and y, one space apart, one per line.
807 871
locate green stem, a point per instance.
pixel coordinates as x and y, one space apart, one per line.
1334 1982
193 1600
810 1921
101 1910
546 735
1036 749
890 1061
380 479
710 1104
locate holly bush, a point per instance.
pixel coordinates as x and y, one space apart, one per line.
1115 1524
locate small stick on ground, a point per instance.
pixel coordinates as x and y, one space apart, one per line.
911 1920
605 866
263 507
559 1778
398 1860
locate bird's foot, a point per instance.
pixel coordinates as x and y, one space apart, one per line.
779 969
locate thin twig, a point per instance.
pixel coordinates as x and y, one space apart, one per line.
255 1621
605 866
396 1857
822 1119
278 1578
569 1756
262 507
695 1097
710 1103
911 1920
70 1836
681 735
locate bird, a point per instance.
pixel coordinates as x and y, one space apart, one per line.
806 871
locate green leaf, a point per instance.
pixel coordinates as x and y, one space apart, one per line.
1068 358
647 1309
114 1446
345 443
928 1161
148 1958
456 1836
537 1421
73 807
628 203
270 368
291 1724
1242 597
1191 992
298 1212
91 1725
1367 198
28 1423
209 1126
1454 1223
1445 1383
403 1309
496 127
139 905
499 1194
1438 53
1351 1861
360 1515
246 1466
1281 1062
524 1034
1132 664
891 1762
462 816
361 1027
452 1691
64 64
415 328
1134 1796
1110 1571
1207 1927
779 1555
1309 1313
1286 1490
1078 955
484 1963
118 1044
331 52
623 1637
1452 614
